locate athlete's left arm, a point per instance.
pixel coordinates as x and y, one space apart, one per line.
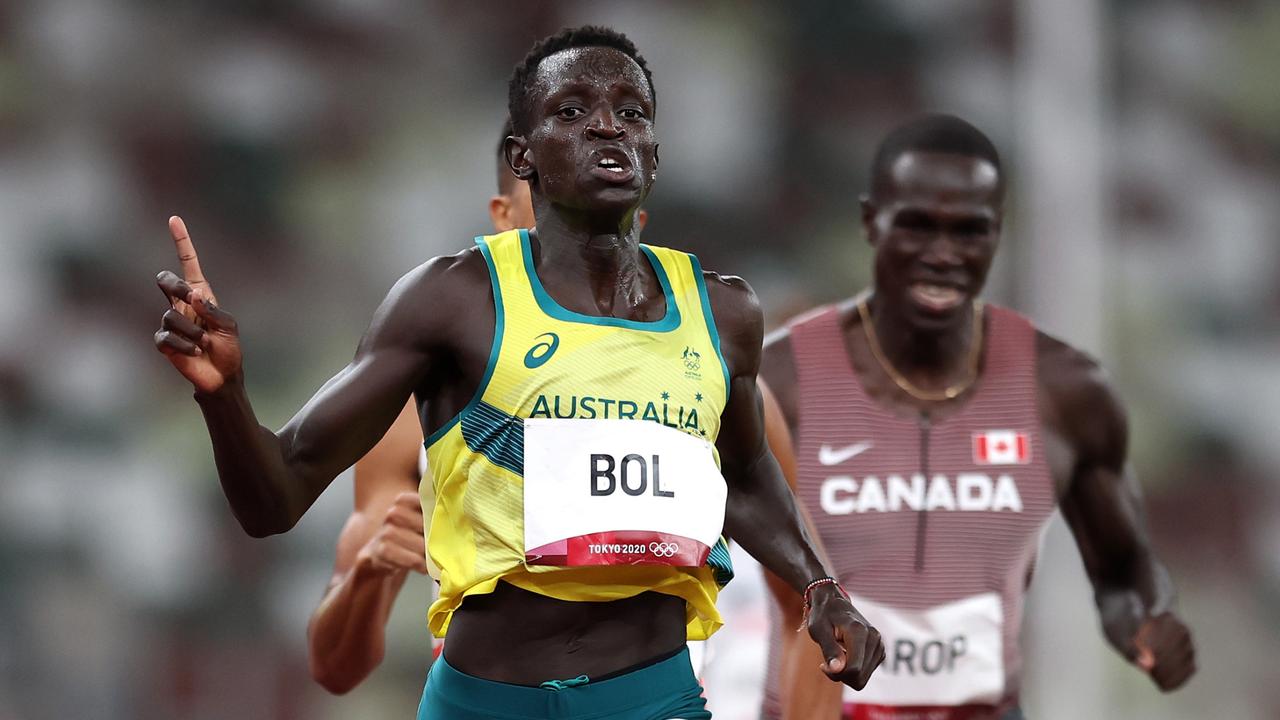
761 514
1102 503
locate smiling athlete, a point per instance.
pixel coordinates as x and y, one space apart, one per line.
593 423
934 436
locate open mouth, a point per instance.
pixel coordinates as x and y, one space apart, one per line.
936 298
611 166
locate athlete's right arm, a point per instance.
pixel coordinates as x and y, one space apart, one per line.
804 691
270 479
380 544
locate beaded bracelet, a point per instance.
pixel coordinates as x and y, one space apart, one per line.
808 597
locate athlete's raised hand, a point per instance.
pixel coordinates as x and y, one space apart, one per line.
197 336
1163 648
400 544
852 648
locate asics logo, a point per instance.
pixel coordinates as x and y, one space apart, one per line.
664 549
541 352
828 455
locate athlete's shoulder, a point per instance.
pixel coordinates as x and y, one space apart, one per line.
728 285
1077 397
1065 369
448 282
739 320
732 300
446 271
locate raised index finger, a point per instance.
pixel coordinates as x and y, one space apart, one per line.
186 253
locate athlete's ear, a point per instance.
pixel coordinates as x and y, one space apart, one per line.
500 213
519 157
642 218
653 173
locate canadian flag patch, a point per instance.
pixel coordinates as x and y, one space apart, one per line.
1001 447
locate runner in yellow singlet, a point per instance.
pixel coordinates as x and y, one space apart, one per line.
575 509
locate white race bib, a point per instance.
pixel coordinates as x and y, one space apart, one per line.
619 492
947 655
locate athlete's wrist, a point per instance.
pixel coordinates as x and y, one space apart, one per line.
818 593
231 386
369 568
827 591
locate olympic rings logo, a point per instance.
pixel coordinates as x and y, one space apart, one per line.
664 549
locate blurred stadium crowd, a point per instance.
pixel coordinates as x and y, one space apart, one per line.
320 148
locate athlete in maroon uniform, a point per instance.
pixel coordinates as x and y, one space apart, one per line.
933 438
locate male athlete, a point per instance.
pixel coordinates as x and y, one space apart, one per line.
576 548
934 435
382 540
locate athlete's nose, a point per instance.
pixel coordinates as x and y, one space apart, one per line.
603 123
942 253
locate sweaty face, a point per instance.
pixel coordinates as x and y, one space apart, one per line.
934 223
591 138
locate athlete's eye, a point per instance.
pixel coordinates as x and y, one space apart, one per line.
631 113
570 112
973 226
913 221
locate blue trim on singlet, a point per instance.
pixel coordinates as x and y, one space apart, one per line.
548 304
720 563
496 435
711 322
498 317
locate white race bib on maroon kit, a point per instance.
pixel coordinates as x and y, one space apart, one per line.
948 655
619 492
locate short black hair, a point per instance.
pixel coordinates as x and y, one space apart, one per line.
566 39
934 133
506 178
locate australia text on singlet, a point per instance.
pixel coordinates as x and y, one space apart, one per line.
584 468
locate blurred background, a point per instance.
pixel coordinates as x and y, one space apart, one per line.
318 149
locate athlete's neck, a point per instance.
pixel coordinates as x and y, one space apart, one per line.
928 357
574 252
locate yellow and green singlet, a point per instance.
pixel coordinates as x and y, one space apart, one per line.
547 361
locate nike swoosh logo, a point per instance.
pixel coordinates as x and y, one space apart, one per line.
828 455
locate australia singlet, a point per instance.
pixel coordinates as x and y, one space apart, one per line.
584 468
933 526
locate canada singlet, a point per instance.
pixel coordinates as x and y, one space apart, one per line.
933 526
584 467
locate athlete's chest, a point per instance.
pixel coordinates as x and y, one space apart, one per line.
564 372
981 476
553 362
